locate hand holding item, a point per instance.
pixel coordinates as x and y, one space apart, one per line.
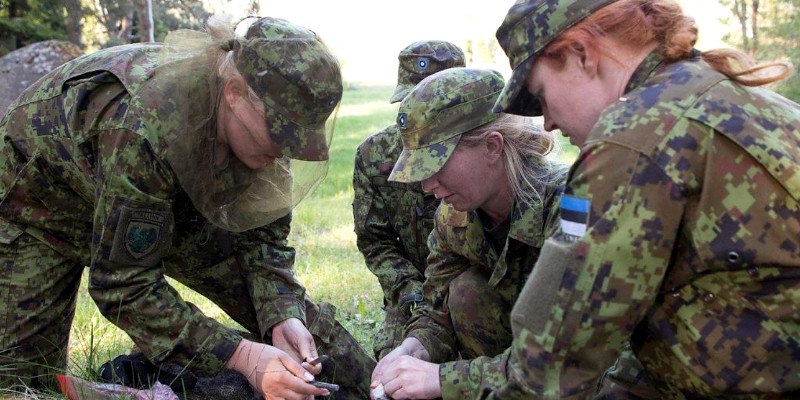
272 372
294 338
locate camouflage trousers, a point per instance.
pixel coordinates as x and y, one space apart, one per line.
40 286
480 316
626 380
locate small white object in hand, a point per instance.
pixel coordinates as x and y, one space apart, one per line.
377 393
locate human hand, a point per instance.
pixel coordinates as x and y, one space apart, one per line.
272 372
294 338
406 377
412 348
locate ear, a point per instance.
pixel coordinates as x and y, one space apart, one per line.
587 58
494 146
234 91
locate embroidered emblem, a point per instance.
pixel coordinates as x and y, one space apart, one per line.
422 63
574 216
402 122
143 233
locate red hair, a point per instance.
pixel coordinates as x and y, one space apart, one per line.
638 23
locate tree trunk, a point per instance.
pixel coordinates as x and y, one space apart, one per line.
145 10
740 11
754 28
73 22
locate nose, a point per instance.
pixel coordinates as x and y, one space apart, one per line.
549 124
429 184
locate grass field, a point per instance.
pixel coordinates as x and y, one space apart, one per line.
327 263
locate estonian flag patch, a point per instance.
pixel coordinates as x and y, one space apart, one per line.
574 215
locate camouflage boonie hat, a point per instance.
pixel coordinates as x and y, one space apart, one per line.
299 80
528 28
433 116
422 59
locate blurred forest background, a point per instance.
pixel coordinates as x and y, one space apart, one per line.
769 30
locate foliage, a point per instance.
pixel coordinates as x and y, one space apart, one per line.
769 30
28 21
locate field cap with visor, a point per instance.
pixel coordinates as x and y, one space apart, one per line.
422 59
298 81
433 116
528 28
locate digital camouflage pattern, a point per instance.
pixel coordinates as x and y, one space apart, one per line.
432 118
529 26
84 182
392 224
687 194
422 59
471 286
279 54
393 220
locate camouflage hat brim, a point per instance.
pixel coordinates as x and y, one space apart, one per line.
416 165
295 141
515 97
401 91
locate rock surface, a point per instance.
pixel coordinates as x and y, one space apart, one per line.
22 67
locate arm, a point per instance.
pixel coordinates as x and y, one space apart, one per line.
132 231
267 262
589 291
378 241
431 324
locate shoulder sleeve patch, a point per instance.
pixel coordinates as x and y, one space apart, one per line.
574 216
143 236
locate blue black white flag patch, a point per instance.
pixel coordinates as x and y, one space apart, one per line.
574 215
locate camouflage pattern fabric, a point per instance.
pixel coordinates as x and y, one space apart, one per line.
471 286
393 220
83 182
433 117
392 224
279 54
422 59
527 29
680 234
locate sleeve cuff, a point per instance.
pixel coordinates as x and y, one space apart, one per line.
279 310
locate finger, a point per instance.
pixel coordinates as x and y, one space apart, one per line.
295 368
294 388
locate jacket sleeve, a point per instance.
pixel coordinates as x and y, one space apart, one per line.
132 231
431 323
268 260
597 277
379 242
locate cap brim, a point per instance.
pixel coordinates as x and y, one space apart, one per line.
515 97
298 142
416 165
400 92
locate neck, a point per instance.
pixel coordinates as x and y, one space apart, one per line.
498 207
626 60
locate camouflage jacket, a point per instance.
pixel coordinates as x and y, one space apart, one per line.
392 219
84 170
459 242
679 232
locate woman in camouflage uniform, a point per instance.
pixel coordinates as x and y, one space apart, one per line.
497 190
150 160
680 218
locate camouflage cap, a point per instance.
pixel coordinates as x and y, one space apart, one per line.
528 28
299 80
421 59
433 116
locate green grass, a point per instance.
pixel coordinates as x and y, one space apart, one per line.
327 263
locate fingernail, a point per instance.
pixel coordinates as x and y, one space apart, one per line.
373 384
327 393
308 376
